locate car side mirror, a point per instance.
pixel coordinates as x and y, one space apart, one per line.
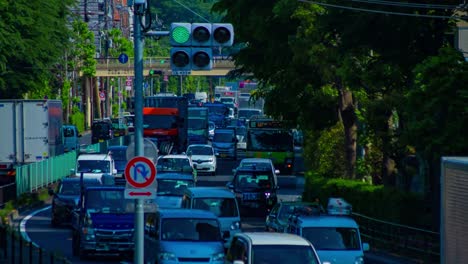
230 185
272 217
51 192
114 171
365 247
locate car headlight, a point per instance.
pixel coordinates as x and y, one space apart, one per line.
218 257
166 256
359 260
235 225
210 160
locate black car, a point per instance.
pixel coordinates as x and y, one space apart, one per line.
101 131
255 189
66 197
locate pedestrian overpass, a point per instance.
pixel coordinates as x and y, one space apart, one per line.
111 67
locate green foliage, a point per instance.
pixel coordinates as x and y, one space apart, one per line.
77 118
33 35
120 44
82 51
385 203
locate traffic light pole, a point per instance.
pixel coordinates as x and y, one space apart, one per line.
138 256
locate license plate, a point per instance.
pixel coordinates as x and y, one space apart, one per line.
223 155
250 196
101 140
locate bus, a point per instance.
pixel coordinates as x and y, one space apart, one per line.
271 139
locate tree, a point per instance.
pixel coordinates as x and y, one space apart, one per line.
33 35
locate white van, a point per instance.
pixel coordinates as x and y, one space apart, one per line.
94 166
221 202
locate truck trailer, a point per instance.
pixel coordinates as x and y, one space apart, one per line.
31 132
453 213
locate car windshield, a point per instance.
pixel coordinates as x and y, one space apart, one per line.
280 254
196 123
159 121
68 132
119 154
222 137
248 113
108 201
73 187
287 209
218 110
257 165
221 207
101 127
174 164
332 238
93 166
171 187
246 180
200 151
270 140
190 229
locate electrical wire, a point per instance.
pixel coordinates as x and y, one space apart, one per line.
193 12
384 12
402 4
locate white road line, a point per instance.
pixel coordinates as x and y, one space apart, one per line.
23 222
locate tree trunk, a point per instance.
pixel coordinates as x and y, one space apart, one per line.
388 164
349 119
97 100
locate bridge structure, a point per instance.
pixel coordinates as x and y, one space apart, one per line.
111 67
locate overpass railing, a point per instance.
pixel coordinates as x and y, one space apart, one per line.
156 62
414 243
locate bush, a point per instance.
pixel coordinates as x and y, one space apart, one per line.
77 118
385 203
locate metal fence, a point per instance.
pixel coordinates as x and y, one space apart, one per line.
414 243
14 249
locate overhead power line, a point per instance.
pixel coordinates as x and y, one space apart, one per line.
193 12
403 4
383 12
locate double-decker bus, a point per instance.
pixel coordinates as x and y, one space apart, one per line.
272 139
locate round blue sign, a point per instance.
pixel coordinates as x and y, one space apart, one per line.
123 58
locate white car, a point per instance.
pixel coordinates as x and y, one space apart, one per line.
176 163
203 158
258 163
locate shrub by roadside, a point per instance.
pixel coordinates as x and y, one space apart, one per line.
24 202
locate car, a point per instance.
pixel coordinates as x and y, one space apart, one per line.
241 132
101 130
176 163
183 236
335 235
255 190
119 126
218 200
258 163
94 166
203 158
119 155
277 219
270 248
71 138
247 113
65 198
225 143
171 188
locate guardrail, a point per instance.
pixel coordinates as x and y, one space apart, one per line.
418 244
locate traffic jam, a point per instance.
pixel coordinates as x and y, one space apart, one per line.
187 220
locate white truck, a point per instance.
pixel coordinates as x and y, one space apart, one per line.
31 131
453 213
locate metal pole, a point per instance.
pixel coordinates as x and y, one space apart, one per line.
139 151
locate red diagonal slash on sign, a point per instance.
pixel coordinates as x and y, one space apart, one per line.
139 193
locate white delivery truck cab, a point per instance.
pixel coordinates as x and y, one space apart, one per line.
94 166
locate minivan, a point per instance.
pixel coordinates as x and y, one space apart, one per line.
183 236
219 201
225 143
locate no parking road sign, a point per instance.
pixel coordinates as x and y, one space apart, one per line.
140 174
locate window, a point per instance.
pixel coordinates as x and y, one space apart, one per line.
280 254
221 207
187 229
332 238
68 132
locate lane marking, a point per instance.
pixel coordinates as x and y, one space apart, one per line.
23 222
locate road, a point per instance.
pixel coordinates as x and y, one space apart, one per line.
58 240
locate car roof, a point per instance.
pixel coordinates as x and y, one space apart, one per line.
272 238
326 221
253 169
200 145
174 156
220 192
94 157
174 175
186 213
77 179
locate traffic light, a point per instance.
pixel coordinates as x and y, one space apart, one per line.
192 44
223 34
201 35
202 58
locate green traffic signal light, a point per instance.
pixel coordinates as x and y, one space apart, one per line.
180 34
